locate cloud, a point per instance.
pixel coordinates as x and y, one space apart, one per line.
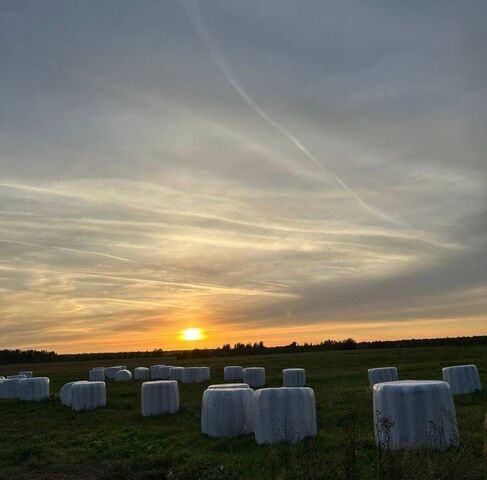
140 193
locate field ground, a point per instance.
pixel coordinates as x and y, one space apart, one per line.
46 440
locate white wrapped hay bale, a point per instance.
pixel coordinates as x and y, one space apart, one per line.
222 386
227 412
254 377
13 377
463 379
286 414
154 371
414 414
176 373
2 377
34 389
191 375
10 388
123 376
160 372
294 377
233 372
163 372
141 373
111 371
27 373
205 374
97 374
66 392
88 395
383 374
159 397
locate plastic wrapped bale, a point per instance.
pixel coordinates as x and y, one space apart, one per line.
286 414
34 389
97 374
142 373
2 377
463 379
414 414
205 374
191 375
160 372
381 375
254 377
227 412
223 386
233 372
66 392
176 373
164 372
154 371
111 371
20 375
27 373
10 388
159 397
123 376
294 377
88 395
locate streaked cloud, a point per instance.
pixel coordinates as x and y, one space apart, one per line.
328 179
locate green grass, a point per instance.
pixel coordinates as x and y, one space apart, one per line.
48 441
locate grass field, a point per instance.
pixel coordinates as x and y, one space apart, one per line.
48 441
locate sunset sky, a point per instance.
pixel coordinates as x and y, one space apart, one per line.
262 170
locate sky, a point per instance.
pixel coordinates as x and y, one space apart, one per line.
263 170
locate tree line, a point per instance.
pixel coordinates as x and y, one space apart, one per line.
328 345
258 348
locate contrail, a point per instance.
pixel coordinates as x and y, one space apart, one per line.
69 249
197 21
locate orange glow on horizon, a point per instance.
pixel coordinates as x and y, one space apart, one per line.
218 334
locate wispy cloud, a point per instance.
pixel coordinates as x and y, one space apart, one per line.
267 171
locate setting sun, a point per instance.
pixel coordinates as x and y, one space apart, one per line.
191 334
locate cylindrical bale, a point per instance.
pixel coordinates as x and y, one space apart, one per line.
294 377
414 414
191 375
160 372
20 375
34 389
227 412
111 371
66 392
123 376
205 374
286 414
159 397
10 388
254 377
233 372
164 372
2 377
222 386
383 374
97 374
27 373
176 373
141 373
463 379
88 395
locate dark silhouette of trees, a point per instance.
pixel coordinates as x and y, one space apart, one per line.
238 349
